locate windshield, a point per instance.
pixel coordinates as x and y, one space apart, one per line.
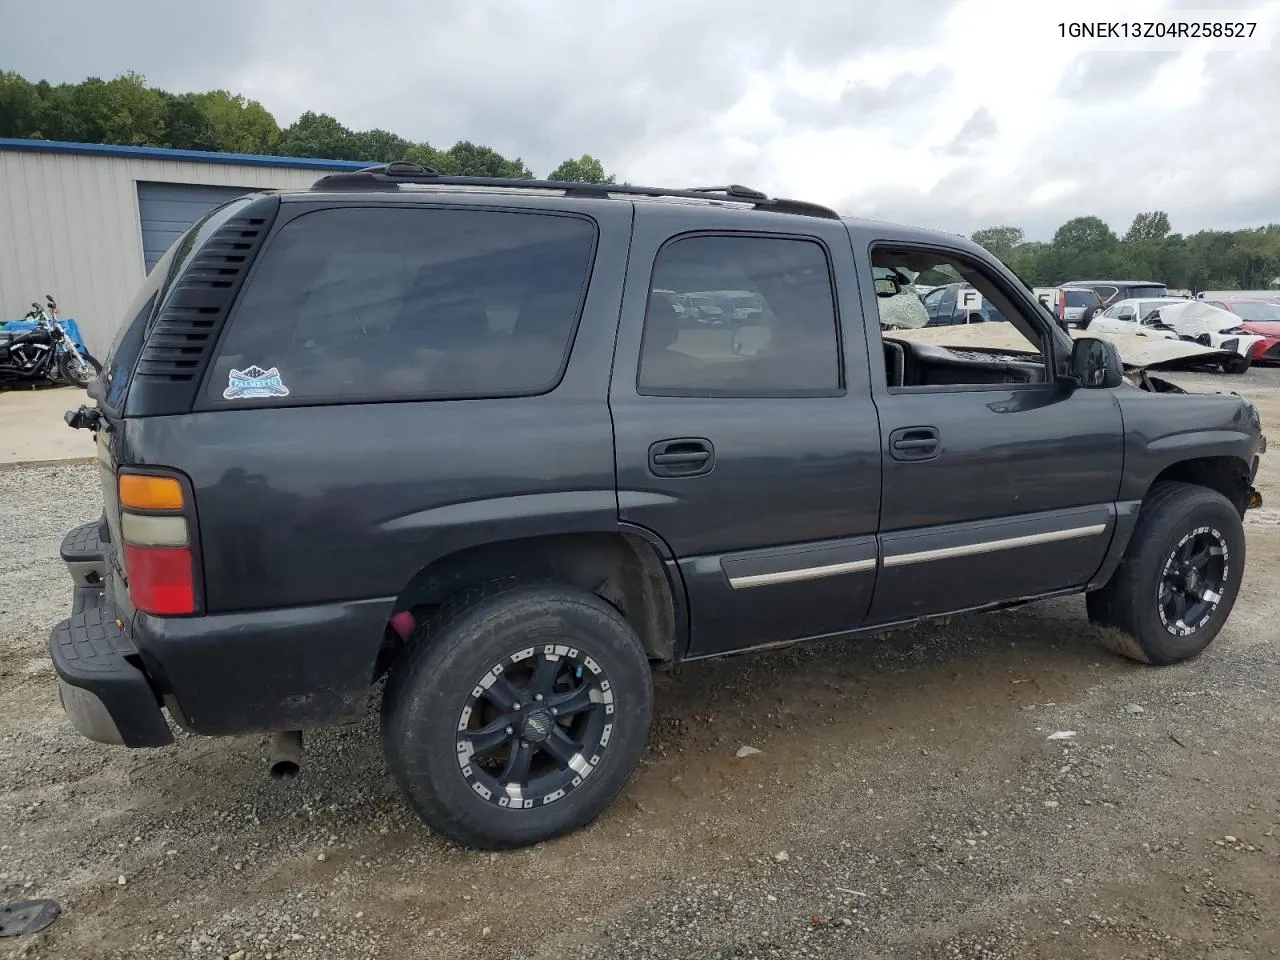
1257 312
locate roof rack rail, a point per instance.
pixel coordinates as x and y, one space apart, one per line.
389 176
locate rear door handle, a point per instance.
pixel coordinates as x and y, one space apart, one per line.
915 443
683 457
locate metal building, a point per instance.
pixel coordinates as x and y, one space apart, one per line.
85 221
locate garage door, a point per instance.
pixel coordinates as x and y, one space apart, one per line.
167 209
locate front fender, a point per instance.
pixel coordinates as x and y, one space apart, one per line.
1163 430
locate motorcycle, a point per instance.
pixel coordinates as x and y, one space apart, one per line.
45 352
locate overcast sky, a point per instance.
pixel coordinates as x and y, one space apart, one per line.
955 114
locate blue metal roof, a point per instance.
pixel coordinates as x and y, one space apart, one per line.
163 153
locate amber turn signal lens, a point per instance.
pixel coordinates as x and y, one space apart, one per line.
150 493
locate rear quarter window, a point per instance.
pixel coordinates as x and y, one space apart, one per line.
363 304
126 347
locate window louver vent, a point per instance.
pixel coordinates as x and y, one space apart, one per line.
188 323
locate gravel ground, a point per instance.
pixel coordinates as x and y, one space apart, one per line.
907 801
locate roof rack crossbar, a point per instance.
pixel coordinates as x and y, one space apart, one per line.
389 176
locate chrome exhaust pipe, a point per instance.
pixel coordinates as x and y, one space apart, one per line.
285 758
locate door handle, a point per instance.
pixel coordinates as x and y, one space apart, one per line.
684 457
915 443
693 457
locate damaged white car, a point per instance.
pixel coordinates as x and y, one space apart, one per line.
1141 355
1171 318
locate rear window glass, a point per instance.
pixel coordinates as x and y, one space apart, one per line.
402 303
1081 298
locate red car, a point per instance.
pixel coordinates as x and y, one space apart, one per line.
1261 318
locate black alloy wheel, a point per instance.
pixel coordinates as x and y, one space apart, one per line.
1179 577
535 726
517 712
1193 580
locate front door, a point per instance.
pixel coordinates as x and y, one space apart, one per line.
748 444
999 482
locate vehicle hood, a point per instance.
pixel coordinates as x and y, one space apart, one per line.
1194 318
1137 353
1262 328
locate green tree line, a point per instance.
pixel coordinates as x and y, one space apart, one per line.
1085 248
128 112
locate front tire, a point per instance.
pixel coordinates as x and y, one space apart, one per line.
78 372
1179 578
517 714
1237 365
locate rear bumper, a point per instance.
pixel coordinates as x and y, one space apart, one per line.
264 670
82 552
105 694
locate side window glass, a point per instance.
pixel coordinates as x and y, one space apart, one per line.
740 316
979 336
354 304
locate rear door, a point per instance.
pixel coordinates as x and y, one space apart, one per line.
751 449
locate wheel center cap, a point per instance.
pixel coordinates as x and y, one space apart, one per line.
537 725
1192 579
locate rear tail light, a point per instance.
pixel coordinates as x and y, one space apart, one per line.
156 524
161 581
148 492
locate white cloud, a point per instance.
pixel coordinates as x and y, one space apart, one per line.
951 113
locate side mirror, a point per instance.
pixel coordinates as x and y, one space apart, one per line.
1096 363
887 287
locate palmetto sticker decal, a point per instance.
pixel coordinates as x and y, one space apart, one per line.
253 383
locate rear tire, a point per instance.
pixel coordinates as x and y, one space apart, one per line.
486 773
1138 608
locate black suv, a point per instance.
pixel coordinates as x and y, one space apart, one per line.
441 429
1113 291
